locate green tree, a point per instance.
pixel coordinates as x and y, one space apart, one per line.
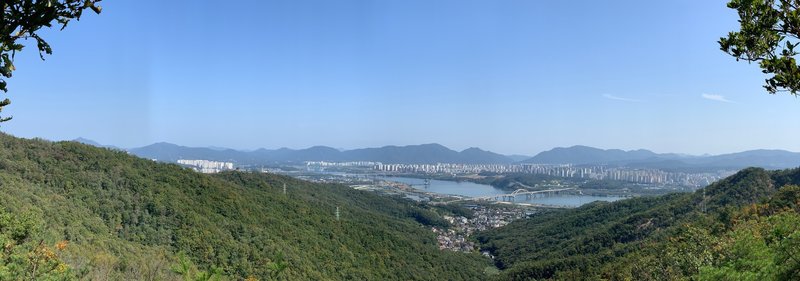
190 272
277 266
26 257
22 19
764 248
769 34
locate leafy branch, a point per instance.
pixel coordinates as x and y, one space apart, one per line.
22 19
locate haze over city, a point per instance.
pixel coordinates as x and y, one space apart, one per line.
513 77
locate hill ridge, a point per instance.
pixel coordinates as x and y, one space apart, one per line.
118 212
430 153
609 239
586 155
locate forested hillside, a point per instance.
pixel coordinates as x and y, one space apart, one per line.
72 211
745 227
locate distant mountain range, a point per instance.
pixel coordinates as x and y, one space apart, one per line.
518 157
436 153
584 155
410 154
94 143
589 155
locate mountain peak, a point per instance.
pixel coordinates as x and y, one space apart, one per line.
322 147
87 141
428 145
743 187
581 154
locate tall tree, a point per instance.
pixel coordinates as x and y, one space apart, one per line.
769 34
22 19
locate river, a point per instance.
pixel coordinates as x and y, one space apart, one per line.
472 189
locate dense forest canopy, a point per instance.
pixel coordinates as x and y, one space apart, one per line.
122 217
79 212
744 227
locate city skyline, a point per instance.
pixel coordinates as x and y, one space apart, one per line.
511 77
532 154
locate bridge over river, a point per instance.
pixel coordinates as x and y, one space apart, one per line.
529 194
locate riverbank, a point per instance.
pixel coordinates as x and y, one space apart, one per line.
442 191
508 183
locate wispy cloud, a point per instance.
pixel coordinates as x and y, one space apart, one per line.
613 97
719 98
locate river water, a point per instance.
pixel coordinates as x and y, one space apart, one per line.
471 189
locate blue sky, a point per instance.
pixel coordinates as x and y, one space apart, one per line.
507 76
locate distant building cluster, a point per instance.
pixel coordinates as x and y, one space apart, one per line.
447 168
206 166
318 166
342 164
635 175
